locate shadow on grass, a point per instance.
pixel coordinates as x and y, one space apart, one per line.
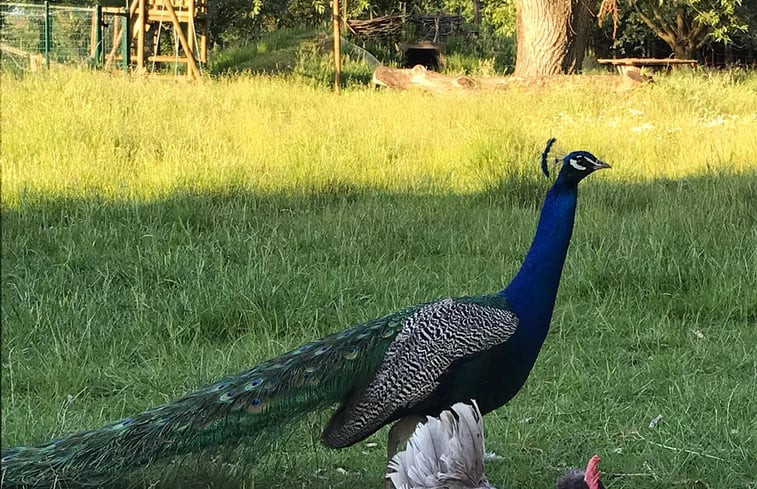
193 275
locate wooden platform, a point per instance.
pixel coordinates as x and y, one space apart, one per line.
188 19
627 66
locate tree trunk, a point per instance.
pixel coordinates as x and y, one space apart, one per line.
551 36
477 13
681 49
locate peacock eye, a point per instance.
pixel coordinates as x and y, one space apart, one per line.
576 162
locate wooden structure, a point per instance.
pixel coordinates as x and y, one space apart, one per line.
149 23
632 66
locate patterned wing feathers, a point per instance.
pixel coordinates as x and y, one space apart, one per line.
430 341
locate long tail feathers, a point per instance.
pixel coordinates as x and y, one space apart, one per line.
312 376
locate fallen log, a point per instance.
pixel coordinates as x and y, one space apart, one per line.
418 77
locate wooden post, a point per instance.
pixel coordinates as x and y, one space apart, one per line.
191 32
337 47
93 35
192 66
99 51
140 27
126 39
111 56
48 34
204 44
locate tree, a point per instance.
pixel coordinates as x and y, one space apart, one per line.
687 25
551 36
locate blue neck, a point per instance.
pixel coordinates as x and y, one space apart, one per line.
532 292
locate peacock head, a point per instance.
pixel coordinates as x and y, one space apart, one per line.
574 166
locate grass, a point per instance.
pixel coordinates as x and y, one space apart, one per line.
304 55
157 236
276 53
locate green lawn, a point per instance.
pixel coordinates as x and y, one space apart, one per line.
157 236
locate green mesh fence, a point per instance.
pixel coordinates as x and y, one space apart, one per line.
34 36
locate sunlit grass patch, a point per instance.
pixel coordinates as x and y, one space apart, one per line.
69 134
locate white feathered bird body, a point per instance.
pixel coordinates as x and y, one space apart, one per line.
444 453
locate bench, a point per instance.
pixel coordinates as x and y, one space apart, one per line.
632 66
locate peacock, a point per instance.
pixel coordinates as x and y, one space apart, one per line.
401 367
447 452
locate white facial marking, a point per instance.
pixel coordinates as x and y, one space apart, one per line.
575 165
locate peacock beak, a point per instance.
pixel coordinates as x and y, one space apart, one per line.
599 164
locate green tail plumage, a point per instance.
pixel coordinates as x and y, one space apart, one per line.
313 376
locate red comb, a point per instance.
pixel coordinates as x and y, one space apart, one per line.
592 475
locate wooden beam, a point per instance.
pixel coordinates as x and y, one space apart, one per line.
191 32
157 15
204 43
111 56
337 47
647 61
191 64
93 35
167 58
140 28
15 51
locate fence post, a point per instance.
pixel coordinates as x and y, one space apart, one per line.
337 47
125 48
98 34
48 35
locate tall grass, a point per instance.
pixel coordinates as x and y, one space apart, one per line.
160 235
120 138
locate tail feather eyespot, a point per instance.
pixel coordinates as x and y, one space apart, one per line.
255 406
253 384
218 386
351 353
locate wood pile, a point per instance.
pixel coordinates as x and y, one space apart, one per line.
435 28
388 27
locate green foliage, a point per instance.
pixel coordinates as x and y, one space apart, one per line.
685 25
275 52
236 22
487 55
316 67
721 18
499 17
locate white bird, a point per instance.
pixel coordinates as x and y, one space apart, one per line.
448 453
